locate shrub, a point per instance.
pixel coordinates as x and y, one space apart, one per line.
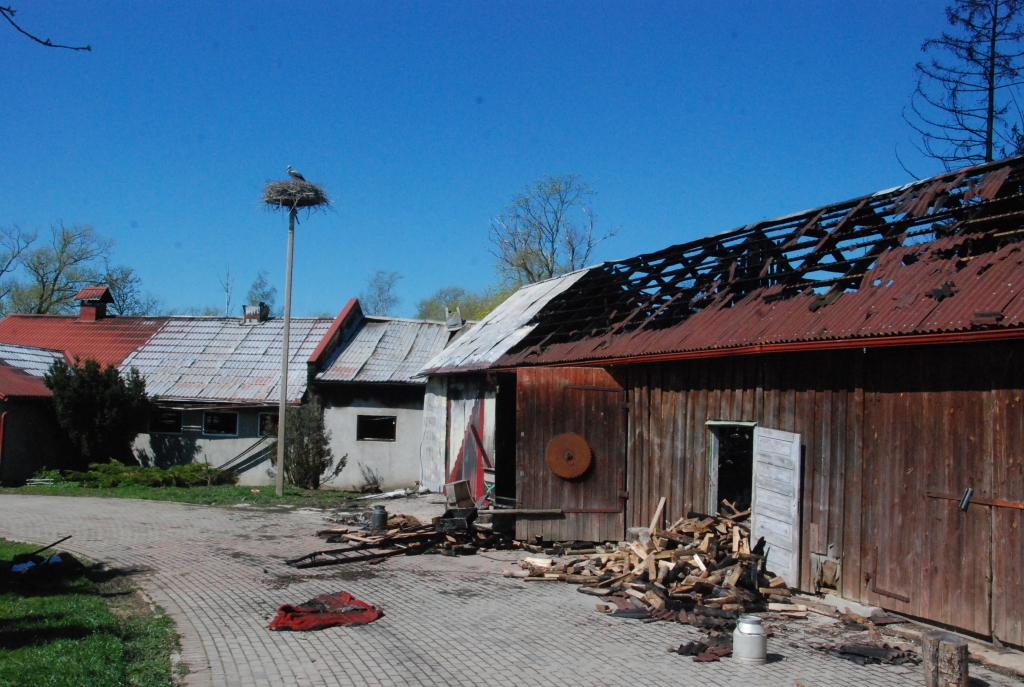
100 410
117 474
308 459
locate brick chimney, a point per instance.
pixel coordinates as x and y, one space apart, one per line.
92 303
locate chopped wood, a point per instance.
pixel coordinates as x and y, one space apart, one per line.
656 520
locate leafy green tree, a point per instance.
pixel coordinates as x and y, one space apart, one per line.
308 458
100 410
474 305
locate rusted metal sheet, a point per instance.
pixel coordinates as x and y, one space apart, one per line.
941 255
108 340
589 403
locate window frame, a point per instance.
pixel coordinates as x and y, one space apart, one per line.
220 412
394 427
259 424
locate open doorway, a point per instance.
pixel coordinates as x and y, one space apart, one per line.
731 464
505 440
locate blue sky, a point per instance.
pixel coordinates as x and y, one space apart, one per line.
424 119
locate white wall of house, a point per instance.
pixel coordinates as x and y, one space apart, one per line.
192 444
393 464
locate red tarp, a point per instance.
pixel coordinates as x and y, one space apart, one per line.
325 611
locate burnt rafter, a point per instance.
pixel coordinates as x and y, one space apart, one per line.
826 251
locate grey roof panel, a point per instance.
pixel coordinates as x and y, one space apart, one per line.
34 361
220 359
385 350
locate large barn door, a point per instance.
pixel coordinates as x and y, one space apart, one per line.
587 403
775 513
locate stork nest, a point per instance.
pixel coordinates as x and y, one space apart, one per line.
291 195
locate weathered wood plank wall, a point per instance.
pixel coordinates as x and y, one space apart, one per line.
879 429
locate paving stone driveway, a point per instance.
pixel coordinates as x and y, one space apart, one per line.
219 573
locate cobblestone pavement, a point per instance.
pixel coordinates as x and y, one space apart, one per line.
449 621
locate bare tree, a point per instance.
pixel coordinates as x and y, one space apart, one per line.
126 290
967 88
547 230
13 244
54 273
8 14
228 284
379 297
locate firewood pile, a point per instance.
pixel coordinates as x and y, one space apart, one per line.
702 571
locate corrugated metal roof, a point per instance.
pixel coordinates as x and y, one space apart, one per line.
218 359
94 293
14 383
108 340
503 328
940 256
28 359
385 350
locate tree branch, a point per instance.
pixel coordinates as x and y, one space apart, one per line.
8 14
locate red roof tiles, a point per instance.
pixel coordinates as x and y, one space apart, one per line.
108 340
17 384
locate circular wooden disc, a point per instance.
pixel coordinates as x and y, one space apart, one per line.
568 455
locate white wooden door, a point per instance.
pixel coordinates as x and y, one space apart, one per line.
775 512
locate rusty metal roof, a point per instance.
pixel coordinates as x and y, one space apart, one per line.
218 359
94 293
108 340
385 350
16 383
934 258
505 326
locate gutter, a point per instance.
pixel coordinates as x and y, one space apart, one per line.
793 347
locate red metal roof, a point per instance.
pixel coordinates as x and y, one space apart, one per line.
938 258
108 340
17 384
94 293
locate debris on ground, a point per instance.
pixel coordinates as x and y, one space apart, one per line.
453 534
871 652
329 610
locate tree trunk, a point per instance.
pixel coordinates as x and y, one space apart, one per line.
945 659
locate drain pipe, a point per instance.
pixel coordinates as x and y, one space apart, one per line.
3 424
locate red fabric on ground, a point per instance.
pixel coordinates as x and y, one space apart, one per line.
325 611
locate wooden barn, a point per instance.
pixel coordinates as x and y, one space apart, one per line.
848 373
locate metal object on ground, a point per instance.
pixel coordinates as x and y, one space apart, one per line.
568 455
379 517
749 641
455 519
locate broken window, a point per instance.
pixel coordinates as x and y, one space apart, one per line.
165 422
375 427
220 423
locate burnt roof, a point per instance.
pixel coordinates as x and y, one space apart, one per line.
941 255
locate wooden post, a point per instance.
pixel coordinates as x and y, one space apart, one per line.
283 404
945 659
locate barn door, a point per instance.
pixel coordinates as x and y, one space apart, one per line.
587 403
775 512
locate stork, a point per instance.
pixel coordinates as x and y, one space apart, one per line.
295 175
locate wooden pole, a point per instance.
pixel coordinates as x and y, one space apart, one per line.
282 406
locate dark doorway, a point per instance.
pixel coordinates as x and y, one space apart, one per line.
505 440
732 452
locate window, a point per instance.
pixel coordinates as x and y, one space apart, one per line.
165 422
268 424
375 428
220 423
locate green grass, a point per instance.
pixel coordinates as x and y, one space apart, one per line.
88 630
224 495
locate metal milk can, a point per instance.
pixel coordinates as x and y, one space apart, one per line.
379 517
749 641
